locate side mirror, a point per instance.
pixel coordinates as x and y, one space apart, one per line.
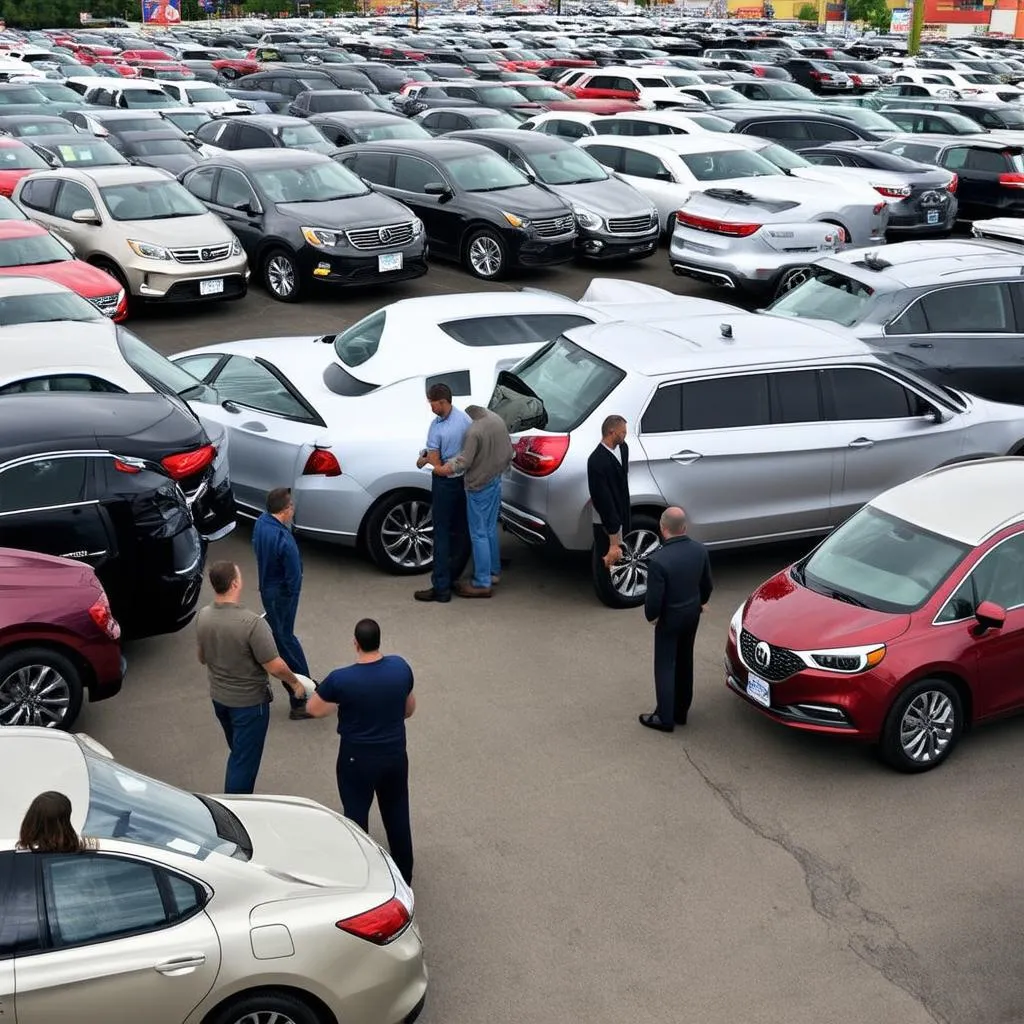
245 207
937 415
663 176
86 216
990 616
436 188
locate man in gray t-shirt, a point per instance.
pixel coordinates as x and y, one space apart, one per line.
237 647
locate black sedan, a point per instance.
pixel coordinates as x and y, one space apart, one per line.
262 131
22 125
302 218
327 101
344 129
442 120
166 149
477 208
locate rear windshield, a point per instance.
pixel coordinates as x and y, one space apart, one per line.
143 99
525 329
361 341
86 153
730 163
825 296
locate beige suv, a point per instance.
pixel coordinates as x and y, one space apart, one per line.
142 227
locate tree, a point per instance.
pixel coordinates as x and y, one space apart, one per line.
875 13
807 12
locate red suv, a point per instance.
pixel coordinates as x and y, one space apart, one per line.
905 626
58 640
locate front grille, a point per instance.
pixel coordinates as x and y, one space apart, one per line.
380 238
552 226
782 662
203 253
106 304
631 225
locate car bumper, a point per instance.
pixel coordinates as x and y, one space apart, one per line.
163 281
533 251
109 668
528 527
334 268
916 219
603 245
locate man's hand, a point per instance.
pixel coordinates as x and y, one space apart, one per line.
444 470
614 555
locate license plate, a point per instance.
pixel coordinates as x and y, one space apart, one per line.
389 261
933 216
214 286
758 690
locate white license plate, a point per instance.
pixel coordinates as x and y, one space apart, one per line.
759 690
214 286
933 216
389 261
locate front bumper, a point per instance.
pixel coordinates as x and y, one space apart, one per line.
333 267
603 245
535 251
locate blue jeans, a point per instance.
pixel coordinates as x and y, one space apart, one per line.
451 543
482 509
245 729
281 607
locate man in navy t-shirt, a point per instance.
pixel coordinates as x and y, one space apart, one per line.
373 698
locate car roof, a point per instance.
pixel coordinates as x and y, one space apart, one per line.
436 148
787 115
968 502
346 117
256 159
102 114
944 141
273 120
535 141
13 285
100 176
703 142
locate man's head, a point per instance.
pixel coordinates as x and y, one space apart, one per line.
613 430
280 504
226 580
673 523
367 636
440 398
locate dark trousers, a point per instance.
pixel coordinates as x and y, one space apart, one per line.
281 607
673 670
451 532
245 729
363 774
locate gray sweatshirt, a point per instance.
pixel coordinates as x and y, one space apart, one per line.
486 451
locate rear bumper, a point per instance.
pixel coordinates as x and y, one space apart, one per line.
529 528
109 669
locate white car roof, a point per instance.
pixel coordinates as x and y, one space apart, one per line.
968 502
11 284
677 145
580 116
669 117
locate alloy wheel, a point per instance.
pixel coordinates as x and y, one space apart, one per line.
34 695
927 727
485 255
281 275
407 534
265 1017
629 576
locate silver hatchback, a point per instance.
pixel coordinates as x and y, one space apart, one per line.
763 431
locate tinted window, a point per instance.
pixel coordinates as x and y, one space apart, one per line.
200 183
248 136
566 129
830 132
73 197
642 165
988 161
361 341
248 383
61 382
665 413
375 167
998 577
970 309
862 394
43 483
511 330
726 402
233 191
212 131
795 397
782 130
610 156
413 174
39 195
457 380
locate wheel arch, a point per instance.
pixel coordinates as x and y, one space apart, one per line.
476 225
648 509
50 643
404 490
947 676
834 220
314 1003
272 242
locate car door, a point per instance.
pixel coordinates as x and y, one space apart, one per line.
71 197
892 434
442 215
792 133
121 934
235 201
652 175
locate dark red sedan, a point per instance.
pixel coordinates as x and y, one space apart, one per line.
905 626
58 640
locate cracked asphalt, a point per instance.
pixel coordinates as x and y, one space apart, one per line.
574 866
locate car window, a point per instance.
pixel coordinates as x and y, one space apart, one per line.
199 366
521 329
234 191
609 156
968 309
77 382
360 342
413 174
740 401
824 131
863 394
72 196
643 165
248 136
989 161
954 158
249 383
212 131
729 163
825 295
781 130
795 397
375 167
43 483
40 194
823 159
200 183
998 577
150 200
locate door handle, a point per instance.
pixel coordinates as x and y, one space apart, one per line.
181 964
861 442
686 457
255 425
920 344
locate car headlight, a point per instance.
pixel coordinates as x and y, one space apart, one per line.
515 220
736 623
149 251
236 247
848 660
417 227
323 238
586 219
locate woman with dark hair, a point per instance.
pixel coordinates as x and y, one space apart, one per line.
47 828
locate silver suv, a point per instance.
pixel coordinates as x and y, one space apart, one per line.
761 433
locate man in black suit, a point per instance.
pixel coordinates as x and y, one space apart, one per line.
678 587
608 481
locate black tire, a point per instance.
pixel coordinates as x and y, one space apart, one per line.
281 277
625 586
485 255
39 686
790 278
263 1005
922 727
399 534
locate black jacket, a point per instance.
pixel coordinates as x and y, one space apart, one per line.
678 582
608 481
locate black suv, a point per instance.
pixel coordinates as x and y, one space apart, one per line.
796 129
263 131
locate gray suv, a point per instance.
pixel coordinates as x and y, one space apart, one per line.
761 434
951 311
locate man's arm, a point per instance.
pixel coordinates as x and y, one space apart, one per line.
291 563
600 497
318 707
706 584
465 459
199 653
432 456
279 670
655 591
410 705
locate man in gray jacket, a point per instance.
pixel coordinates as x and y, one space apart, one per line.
486 454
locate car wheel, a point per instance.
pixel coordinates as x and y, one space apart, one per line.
39 686
400 534
923 726
625 584
792 277
281 276
266 1007
486 256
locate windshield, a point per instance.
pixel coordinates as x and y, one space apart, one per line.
499 119
961 125
540 92
730 163
712 123
161 147
864 117
305 136
1007 116
131 124
789 91
59 93
782 157
126 805
980 78
156 369
487 172
147 99
208 94
361 341
27 94
681 80
570 166
313 183
399 130
19 157
881 562
87 153
45 308
725 96
187 120
32 250
825 296
150 200
500 95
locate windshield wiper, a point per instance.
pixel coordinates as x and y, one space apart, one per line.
493 188
840 595
168 216
326 199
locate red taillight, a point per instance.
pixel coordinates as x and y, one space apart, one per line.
540 454
953 182
855 79
126 467
321 463
1014 180
101 614
716 227
184 464
758 71
893 191
380 925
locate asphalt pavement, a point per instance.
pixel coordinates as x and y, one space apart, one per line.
573 866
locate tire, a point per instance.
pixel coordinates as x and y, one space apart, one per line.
485 255
266 1007
791 277
39 686
400 534
922 727
281 276
625 586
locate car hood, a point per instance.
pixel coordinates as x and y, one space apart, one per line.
611 198
783 187
526 199
82 278
197 229
59 572
176 163
786 614
370 210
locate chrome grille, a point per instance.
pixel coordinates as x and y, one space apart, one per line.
380 238
551 226
631 225
203 253
782 663
106 304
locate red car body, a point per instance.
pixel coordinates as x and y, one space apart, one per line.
57 605
592 106
237 65
16 162
160 68
83 278
146 57
90 54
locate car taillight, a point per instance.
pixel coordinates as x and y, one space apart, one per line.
953 182
126 467
856 79
893 191
758 71
381 925
101 614
183 464
1014 180
540 454
733 229
321 463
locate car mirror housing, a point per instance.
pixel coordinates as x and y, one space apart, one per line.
990 616
436 188
85 216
